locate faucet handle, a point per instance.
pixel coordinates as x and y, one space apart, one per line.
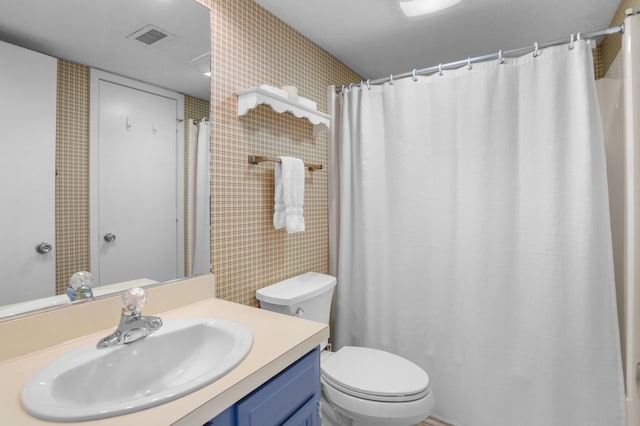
81 283
80 279
133 300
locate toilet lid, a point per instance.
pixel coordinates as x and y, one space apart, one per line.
375 374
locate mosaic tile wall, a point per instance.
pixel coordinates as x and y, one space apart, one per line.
72 172
251 47
598 66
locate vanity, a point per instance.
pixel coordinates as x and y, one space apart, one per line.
292 398
278 382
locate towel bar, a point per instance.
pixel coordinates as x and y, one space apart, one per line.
255 159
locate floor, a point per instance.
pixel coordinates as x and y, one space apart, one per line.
433 422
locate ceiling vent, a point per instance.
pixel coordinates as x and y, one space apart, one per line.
151 35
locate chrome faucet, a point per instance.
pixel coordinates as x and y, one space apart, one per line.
133 326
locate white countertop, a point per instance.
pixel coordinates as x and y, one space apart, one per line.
279 340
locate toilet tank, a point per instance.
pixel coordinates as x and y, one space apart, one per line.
307 296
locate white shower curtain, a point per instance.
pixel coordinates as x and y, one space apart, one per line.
199 221
475 239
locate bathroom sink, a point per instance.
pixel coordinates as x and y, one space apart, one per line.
88 383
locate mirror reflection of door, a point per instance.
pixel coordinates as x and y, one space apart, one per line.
138 214
27 169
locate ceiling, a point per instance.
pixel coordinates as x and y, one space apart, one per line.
375 39
95 33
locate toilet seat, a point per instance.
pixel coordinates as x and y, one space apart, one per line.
374 375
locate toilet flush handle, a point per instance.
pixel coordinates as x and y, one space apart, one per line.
300 313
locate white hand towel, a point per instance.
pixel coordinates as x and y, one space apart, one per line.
279 214
289 195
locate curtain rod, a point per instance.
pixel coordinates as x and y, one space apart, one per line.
500 55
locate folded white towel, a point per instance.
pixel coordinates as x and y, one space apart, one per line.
274 90
289 195
279 214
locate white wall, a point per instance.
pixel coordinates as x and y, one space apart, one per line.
610 97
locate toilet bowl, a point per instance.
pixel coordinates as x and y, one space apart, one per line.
363 386
360 386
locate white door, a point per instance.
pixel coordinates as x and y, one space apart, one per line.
137 191
27 173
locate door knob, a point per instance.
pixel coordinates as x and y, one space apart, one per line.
43 248
109 237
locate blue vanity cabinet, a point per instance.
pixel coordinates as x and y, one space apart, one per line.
292 398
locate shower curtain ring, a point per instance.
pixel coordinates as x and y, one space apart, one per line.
500 58
413 75
369 84
536 51
469 66
391 79
440 68
344 87
350 86
578 37
571 40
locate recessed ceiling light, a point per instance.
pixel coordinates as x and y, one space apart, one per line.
202 63
413 8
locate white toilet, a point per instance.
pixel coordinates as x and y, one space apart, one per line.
360 386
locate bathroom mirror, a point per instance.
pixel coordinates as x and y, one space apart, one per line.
163 44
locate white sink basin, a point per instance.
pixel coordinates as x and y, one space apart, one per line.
183 356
